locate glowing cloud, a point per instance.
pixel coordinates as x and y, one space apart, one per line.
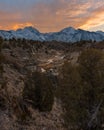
16 26
52 15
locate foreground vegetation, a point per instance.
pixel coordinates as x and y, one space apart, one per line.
82 91
79 86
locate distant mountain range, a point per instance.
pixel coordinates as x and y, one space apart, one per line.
66 35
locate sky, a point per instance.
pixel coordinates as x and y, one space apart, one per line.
52 15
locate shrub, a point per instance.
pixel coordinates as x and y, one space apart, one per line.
81 91
38 90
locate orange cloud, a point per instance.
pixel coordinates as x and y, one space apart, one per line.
55 15
16 26
96 19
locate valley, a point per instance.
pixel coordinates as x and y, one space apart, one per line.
24 57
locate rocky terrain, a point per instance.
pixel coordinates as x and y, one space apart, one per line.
19 61
23 57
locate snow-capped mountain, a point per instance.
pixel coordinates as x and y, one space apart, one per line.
29 33
100 32
72 35
66 35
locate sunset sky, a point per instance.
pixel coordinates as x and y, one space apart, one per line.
52 15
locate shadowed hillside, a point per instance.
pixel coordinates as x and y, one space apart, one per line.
33 75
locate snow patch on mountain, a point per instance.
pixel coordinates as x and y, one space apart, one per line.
66 35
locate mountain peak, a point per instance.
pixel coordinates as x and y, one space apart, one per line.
68 34
30 28
68 30
100 32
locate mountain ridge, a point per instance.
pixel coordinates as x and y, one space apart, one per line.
68 34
